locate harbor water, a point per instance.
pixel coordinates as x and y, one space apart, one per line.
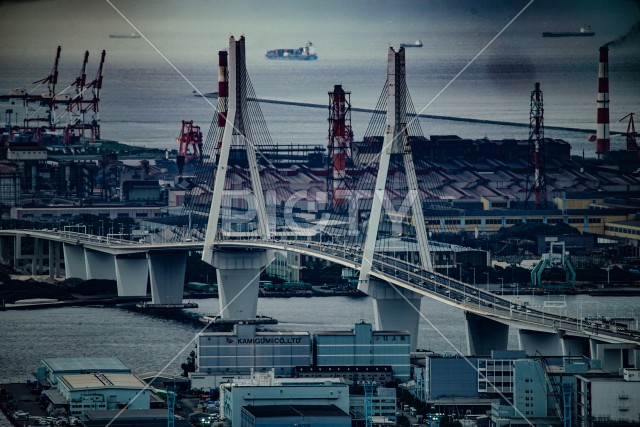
146 343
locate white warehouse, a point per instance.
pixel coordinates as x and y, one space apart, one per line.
103 391
266 390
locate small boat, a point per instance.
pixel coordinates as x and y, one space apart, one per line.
417 43
125 36
584 32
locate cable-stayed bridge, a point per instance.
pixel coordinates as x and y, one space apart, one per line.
376 193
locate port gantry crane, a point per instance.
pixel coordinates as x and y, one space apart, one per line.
632 145
190 136
40 111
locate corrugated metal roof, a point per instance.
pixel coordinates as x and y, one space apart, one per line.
85 364
270 411
90 381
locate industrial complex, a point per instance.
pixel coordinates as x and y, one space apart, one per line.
324 203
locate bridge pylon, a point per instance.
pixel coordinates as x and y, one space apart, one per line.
238 271
393 309
395 142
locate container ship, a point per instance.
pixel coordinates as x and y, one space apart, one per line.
306 53
125 36
584 32
417 43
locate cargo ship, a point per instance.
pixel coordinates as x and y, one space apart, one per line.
125 36
584 32
306 53
417 43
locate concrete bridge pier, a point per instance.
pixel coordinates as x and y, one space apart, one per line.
575 346
536 342
17 251
99 265
615 356
166 272
395 309
485 335
36 259
54 259
7 246
238 274
132 274
74 261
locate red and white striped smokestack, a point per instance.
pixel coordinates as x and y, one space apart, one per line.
602 130
537 172
339 142
223 90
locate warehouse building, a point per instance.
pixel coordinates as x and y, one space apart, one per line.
362 346
54 367
612 398
246 350
265 390
294 415
101 392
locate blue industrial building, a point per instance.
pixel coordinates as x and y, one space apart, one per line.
448 376
362 346
294 415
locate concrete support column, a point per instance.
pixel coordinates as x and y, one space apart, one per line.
74 262
614 357
575 346
484 335
56 269
17 251
54 258
99 265
6 246
34 264
395 309
238 274
132 273
545 343
36 259
166 271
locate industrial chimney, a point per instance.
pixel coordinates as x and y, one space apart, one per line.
602 131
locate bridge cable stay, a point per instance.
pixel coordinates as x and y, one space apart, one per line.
397 233
347 223
245 164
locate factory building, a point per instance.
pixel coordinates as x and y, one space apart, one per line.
285 266
383 404
362 346
100 392
607 397
141 191
246 350
10 185
265 390
54 367
448 375
525 381
478 383
294 415
355 374
130 418
106 211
